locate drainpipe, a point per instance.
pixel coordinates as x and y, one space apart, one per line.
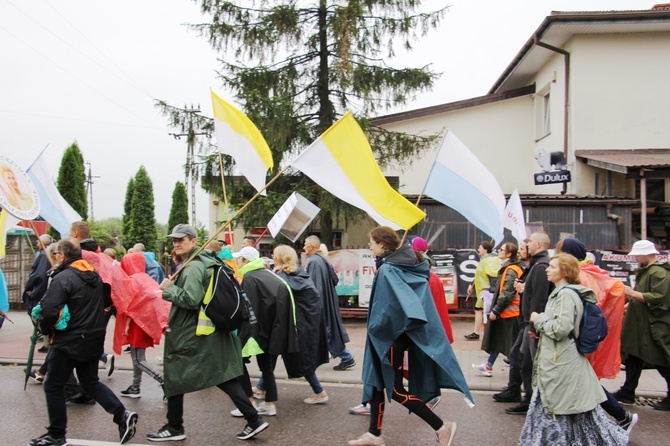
643 205
566 106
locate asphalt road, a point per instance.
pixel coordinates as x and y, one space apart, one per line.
208 422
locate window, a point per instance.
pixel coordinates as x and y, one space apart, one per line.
543 112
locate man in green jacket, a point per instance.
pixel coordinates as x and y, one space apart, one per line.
645 334
192 362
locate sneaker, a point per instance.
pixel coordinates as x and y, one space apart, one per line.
259 394
361 409
83 399
508 396
47 440
629 422
264 408
131 392
445 434
36 376
432 404
109 364
251 430
624 397
506 361
166 433
317 398
126 349
344 365
484 369
128 427
237 413
472 336
43 349
367 439
521 409
664 404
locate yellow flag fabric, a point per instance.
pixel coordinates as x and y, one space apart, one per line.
341 161
238 137
3 233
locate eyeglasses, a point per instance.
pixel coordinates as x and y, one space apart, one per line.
56 252
502 250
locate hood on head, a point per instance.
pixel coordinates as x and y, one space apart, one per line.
134 263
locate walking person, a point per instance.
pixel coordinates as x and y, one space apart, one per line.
309 321
503 326
193 362
565 406
151 313
645 335
487 269
324 277
402 318
274 331
536 289
78 346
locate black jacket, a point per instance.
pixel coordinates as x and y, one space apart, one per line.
37 281
538 288
78 286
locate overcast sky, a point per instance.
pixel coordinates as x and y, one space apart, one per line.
89 71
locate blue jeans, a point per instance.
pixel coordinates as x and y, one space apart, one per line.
314 382
345 356
59 369
492 359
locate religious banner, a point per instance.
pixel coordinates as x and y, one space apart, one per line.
18 195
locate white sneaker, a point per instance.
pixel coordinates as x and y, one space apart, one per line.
258 393
317 398
236 413
361 409
367 439
264 408
432 404
445 435
483 368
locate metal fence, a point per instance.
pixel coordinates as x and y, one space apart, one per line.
20 250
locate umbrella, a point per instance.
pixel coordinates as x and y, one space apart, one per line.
31 352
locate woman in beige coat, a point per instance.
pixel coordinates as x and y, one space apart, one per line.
565 407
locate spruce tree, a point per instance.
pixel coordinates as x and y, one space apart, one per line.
143 220
179 209
71 181
127 223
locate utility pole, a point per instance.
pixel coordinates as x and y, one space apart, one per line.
89 188
191 176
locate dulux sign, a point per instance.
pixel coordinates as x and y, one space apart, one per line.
558 176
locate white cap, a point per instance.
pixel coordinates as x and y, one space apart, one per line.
248 253
643 248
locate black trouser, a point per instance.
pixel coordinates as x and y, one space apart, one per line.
266 364
612 407
633 372
528 350
515 362
59 369
232 388
400 394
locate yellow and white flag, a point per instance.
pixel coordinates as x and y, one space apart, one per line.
341 161
6 222
238 137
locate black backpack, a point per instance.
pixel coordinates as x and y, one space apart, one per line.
592 328
229 307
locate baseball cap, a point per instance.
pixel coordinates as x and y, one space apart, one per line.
643 248
182 230
248 253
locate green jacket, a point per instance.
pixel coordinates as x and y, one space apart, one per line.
196 362
565 378
646 325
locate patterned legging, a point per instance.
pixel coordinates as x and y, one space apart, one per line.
140 364
396 355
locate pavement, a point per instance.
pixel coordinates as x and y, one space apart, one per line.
207 419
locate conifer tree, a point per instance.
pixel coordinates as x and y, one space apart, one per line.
71 181
143 220
296 67
127 222
179 209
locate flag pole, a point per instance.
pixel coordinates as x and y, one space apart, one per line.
404 236
239 211
38 156
225 195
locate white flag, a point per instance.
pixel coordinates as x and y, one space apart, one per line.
513 217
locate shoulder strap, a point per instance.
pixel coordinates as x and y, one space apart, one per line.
515 268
